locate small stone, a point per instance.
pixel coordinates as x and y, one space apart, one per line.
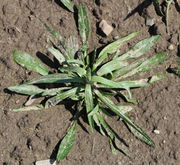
105 27
171 47
46 162
150 21
156 131
164 141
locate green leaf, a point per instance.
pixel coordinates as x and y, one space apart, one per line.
79 62
54 91
56 78
67 142
29 108
146 65
89 104
72 47
140 48
176 70
30 63
122 84
157 7
57 54
119 73
68 4
61 96
115 109
111 66
75 69
112 48
26 89
157 78
83 24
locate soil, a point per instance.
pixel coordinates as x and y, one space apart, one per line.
30 136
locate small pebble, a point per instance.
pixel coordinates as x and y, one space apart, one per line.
46 162
150 21
156 131
105 27
164 141
171 47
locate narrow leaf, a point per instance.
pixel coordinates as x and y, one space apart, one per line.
75 69
54 91
30 63
26 89
57 54
61 96
89 104
140 48
83 24
157 7
68 4
56 78
112 48
67 142
29 108
115 109
111 66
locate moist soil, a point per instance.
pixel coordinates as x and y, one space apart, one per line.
31 136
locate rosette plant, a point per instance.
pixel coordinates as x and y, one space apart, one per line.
91 80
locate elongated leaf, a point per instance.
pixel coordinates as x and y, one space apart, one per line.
56 78
57 54
94 111
29 108
75 62
89 104
118 73
147 65
83 24
30 63
61 96
26 89
111 66
72 47
157 7
54 91
140 48
122 84
115 109
112 48
124 109
157 77
75 69
67 142
68 4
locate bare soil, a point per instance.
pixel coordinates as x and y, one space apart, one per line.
31 136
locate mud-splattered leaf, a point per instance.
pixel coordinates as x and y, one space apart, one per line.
26 89
83 24
74 69
57 54
89 104
67 142
68 4
112 48
127 120
29 108
56 78
30 63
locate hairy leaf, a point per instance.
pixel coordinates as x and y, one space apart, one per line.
57 54
67 142
30 63
26 89
75 69
112 48
68 4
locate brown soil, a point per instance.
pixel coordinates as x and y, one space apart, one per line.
28 137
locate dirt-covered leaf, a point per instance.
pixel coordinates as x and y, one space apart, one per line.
112 48
89 104
67 142
83 24
68 4
73 69
140 48
63 95
54 91
26 89
147 64
56 78
111 66
123 84
29 108
57 54
30 63
127 120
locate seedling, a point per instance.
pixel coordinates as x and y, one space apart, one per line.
91 80
162 9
